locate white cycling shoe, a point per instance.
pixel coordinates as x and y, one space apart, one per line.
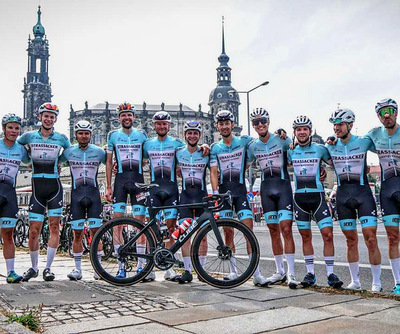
376 288
291 281
230 277
354 286
277 278
75 275
260 280
171 275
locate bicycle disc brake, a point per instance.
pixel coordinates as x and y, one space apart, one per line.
163 259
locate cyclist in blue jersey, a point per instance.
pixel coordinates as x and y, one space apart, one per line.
386 140
309 199
192 167
354 197
11 155
229 158
270 150
127 145
44 147
84 160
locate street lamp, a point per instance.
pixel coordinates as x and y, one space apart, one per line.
248 103
248 127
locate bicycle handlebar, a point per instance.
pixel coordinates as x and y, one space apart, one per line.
221 198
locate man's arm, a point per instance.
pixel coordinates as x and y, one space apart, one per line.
109 166
214 178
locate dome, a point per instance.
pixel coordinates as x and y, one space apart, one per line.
38 29
224 94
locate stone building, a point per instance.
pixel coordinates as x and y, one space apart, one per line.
37 87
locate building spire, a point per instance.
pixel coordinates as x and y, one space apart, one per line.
223 36
38 29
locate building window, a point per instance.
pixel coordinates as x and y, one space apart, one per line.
38 65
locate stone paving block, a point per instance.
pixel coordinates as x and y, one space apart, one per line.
201 298
204 312
360 307
388 316
144 329
257 322
95 325
341 325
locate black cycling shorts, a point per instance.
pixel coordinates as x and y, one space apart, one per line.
45 193
124 185
9 205
86 205
165 195
354 200
390 201
190 196
276 200
311 205
239 201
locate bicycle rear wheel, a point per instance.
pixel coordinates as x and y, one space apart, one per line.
135 259
216 266
19 233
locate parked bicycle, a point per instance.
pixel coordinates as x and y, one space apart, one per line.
212 258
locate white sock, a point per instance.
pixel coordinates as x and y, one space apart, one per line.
280 268
51 252
141 249
100 254
78 261
257 272
10 265
290 263
116 247
329 262
202 260
395 263
188 263
376 273
232 265
34 259
309 260
354 272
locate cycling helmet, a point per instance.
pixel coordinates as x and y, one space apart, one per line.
259 113
83 125
124 107
47 106
385 103
11 118
302 121
162 116
192 125
224 115
342 116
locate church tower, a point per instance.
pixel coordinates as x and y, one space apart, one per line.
224 96
37 88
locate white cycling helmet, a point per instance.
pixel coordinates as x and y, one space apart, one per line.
47 106
386 103
224 115
343 115
259 113
192 125
302 121
162 116
83 125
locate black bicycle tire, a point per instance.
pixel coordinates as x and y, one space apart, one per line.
21 240
97 265
225 284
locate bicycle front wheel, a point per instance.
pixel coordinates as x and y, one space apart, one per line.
131 262
19 233
228 266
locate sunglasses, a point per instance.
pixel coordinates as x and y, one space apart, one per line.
260 121
51 106
387 110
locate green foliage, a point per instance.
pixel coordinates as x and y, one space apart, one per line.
31 319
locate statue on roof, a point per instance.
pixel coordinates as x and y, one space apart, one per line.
107 105
199 106
86 105
144 105
162 105
71 109
180 106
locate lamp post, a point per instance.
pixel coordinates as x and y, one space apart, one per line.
248 125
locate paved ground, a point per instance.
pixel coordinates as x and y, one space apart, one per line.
90 306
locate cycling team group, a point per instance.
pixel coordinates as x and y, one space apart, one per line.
227 160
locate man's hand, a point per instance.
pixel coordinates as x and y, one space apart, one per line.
331 140
206 149
108 195
281 133
322 174
114 169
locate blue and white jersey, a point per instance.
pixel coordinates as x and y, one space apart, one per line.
388 150
44 153
128 149
271 156
306 161
350 160
84 164
231 160
10 159
161 154
193 168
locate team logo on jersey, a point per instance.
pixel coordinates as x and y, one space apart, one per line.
289 207
60 203
244 203
325 212
373 213
303 171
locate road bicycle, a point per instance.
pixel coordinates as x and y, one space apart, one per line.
220 246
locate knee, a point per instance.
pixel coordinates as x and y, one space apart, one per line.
33 233
78 234
371 242
393 240
352 242
287 232
7 235
328 237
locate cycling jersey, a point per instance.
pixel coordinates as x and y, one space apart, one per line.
161 154
10 159
44 152
231 162
350 160
128 149
306 161
275 190
388 150
84 164
193 168
271 156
